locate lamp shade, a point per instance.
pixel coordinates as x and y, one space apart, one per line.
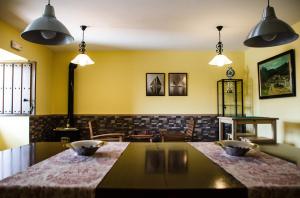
270 31
47 30
220 60
82 60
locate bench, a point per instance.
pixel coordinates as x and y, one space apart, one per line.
283 151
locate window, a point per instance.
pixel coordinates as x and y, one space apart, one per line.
17 88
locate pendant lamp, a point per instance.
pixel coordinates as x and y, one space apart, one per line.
270 31
82 58
220 59
47 30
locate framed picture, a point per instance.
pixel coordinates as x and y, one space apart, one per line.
177 84
276 76
155 84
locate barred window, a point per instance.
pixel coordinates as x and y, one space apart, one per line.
17 88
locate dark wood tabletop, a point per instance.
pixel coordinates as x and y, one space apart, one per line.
143 170
20 158
167 170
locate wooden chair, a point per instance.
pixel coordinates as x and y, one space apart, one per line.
105 136
178 136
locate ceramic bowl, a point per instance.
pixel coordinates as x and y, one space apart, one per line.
86 147
237 148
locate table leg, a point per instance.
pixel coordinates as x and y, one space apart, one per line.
233 129
221 130
255 129
274 130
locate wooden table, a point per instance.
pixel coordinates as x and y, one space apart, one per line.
150 170
143 135
234 121
72 133
140 137
20 158
167 170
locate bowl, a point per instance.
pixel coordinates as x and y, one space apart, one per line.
86 147
237 148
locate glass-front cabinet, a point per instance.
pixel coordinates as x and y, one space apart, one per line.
230 97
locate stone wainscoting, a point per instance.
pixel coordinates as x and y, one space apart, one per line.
206 128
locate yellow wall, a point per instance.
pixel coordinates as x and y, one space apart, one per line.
42 55
116 83
286 109
14 131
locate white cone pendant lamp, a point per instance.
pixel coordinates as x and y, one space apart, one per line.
270 31
82 58
220 59
47 30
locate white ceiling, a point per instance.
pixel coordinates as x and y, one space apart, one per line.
152 24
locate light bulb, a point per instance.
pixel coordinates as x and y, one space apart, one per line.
269 37
46 34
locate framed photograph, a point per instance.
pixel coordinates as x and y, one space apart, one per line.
155 84
177 84
276 76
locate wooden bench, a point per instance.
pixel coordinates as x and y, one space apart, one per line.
283 151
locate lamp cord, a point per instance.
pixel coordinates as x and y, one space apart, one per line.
219 45
82 44
82 35
83 27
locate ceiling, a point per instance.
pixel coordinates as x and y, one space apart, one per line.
152 24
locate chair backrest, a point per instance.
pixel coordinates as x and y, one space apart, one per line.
190 127
116 136
90 123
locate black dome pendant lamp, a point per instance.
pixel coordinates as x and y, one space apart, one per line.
270 31
47 30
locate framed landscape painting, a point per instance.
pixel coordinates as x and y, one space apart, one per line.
276 76
177 84
155 84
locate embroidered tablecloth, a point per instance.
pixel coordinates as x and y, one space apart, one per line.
264 175
63 175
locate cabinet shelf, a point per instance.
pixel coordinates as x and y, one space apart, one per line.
231 105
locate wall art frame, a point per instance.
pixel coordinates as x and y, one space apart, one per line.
276 76
155 84
178 84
